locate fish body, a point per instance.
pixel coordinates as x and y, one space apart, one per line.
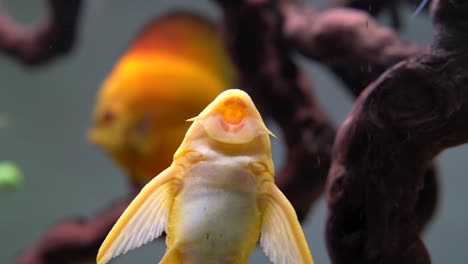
172 70
214 191
218 197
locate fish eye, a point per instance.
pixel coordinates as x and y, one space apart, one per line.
106 118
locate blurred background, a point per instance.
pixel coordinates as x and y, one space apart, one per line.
45 113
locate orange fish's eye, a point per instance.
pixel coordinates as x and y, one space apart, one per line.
234 111
106 118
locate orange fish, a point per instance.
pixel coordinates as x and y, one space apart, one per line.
174 68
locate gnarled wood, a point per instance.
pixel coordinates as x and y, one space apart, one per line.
399 124
53 37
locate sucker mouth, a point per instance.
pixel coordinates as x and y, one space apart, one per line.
227 127
232 118
234 110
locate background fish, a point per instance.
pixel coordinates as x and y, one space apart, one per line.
217 198
174 68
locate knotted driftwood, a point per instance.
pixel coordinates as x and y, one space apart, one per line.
53 37
398 125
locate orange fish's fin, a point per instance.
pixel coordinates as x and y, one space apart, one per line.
145 218
188 36
282 238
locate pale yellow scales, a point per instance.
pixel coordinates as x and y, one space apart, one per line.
218 198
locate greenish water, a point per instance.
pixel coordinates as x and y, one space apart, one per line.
45 113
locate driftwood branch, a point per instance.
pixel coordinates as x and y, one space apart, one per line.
376 7
399 124
349 42
357 49
74 240
47 40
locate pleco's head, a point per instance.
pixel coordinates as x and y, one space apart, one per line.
232 118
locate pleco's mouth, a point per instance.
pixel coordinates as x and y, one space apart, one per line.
233 110
232 118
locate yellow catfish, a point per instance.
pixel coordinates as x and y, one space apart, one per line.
172 70
217 198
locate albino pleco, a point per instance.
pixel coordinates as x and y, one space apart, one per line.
217 198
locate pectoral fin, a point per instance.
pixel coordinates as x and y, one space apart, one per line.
282 238
144 219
